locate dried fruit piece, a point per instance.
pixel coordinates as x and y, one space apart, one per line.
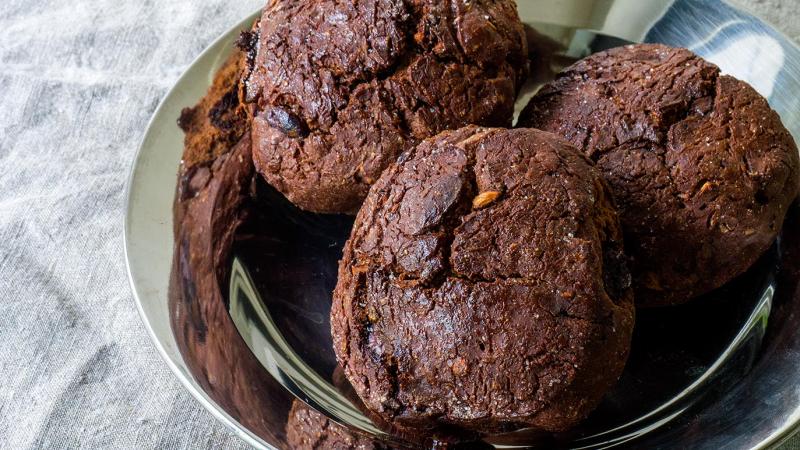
459 367
707 186
286 121
485 199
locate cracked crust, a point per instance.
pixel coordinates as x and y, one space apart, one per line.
344 87
307 429
212 127
701 168
512 310
219 120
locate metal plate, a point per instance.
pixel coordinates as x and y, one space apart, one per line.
699 375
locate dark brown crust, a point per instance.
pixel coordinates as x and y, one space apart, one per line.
211 128
307 429
516 313
702 169
343 87
219 120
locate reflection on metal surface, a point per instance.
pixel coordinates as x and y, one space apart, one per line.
680 354
756 58
746 343
559 18
265 340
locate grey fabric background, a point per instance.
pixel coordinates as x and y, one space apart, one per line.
78 82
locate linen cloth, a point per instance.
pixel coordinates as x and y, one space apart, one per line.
79 80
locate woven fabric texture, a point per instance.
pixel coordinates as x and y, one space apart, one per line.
78 82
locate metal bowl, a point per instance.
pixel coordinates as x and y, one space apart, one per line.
723 371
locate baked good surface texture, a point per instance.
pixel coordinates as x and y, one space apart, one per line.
219 120
484 286
701 168
307 429
341 88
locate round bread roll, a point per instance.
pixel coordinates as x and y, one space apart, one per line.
484 286
342 88
701 168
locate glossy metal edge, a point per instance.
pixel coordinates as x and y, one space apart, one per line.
778 437
178 366
741 8
792 426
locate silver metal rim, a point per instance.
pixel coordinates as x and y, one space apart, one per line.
196 392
